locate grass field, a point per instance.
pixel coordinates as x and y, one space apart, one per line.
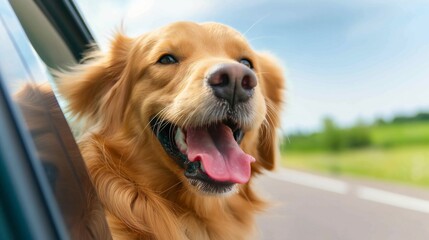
400 134
407 165
398 152
386 136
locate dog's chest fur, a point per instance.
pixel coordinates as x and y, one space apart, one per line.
169 211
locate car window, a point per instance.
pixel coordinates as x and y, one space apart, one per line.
61 172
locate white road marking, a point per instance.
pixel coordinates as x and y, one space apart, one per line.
361 192
311 180
393 199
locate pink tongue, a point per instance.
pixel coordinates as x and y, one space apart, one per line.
222 158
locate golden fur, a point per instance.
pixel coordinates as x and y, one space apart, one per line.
144 192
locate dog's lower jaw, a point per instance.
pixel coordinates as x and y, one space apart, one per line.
207 189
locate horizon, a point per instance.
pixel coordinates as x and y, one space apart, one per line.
374 122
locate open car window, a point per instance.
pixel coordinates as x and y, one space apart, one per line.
46 192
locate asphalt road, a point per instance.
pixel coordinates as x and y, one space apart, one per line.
308 206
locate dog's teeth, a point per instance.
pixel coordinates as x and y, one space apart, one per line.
202 167
180 141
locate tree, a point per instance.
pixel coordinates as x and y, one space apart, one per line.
332 135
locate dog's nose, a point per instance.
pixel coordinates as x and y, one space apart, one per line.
233 82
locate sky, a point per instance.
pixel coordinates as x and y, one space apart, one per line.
353 60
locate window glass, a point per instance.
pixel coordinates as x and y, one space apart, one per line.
64 175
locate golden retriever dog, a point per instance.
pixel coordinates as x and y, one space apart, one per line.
177 122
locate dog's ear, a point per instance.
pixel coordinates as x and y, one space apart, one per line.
272 84
99 84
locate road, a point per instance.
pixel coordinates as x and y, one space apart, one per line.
309 206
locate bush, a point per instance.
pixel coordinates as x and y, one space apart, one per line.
337 139
357 137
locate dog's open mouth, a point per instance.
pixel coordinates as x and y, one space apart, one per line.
210 156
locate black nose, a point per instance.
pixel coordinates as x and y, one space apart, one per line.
233 82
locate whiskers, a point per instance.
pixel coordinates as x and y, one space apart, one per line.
258 37
171 187
254 24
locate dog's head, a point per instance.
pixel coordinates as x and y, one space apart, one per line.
208 102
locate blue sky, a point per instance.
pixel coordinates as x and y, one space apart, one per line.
350 60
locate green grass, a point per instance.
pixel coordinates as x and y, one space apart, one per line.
400 134
407 164
307 143
381 136
395 152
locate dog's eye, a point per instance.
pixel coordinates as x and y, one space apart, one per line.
246 62
167 59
